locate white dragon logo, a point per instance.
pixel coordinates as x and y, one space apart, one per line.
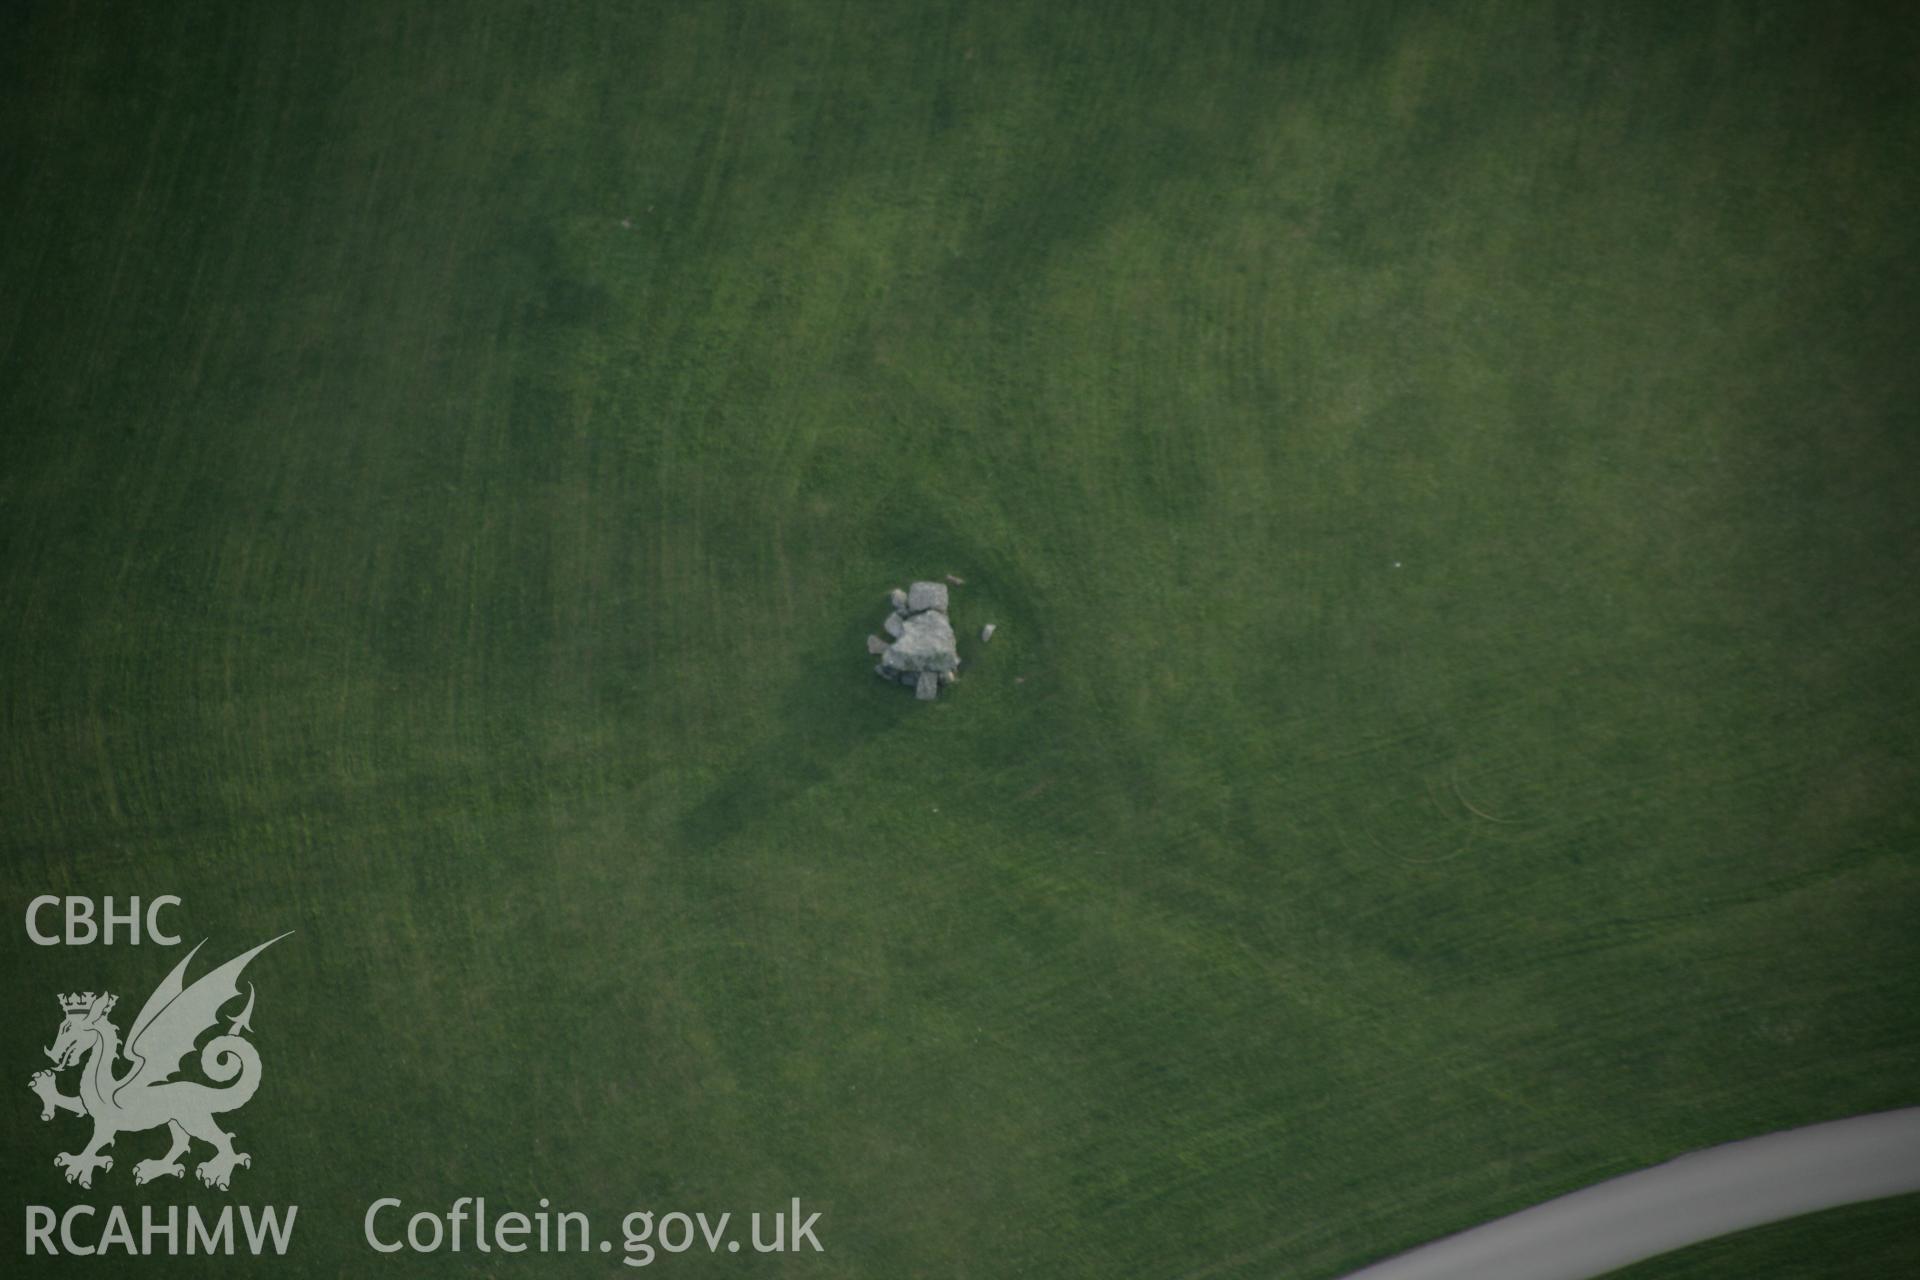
146 1097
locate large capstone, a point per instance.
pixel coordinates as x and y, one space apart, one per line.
926 644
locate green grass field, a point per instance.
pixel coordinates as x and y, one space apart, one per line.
1443 473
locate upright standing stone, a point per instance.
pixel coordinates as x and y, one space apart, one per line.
922 596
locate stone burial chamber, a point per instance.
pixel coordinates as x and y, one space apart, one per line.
920 651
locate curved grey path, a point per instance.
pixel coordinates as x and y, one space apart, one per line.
1693 1198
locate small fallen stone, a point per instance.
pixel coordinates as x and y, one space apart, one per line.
898 599
876 646
895 625
956 581
986 633
928 688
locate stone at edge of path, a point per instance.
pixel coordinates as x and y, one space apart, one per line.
928 687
